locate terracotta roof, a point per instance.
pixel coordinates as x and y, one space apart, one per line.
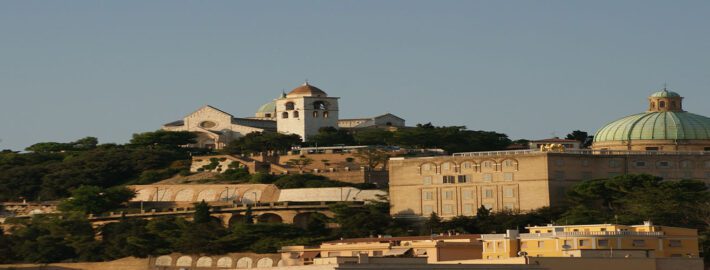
307 90
407 238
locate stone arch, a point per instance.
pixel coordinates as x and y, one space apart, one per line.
320 105
164 260
448 166
265 263
164 195
280 263
228 195
184 195
251 196
509 164
289 106
204 262
184 261
144 194
296 114
465 167
488 165
303 219
244 263
225 262
236 219
427 167
269 218
207 195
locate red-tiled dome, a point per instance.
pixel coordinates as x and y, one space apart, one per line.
307 90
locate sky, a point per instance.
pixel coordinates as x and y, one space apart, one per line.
529 69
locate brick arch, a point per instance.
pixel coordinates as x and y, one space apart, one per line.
432 167
225 262
512 167
230 194
185 261
265 262
473 165
204 261
492 168
208 195
164 195
244 263
164 260
269 218
184 195
452 165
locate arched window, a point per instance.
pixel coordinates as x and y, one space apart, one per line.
653 105
315 114
296 114
319 105
267 115
290 106
325 114
284 115
661 104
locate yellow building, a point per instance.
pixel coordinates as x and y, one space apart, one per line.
664 141
599 240
434 248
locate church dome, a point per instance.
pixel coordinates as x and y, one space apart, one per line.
267 108
307 90
664 127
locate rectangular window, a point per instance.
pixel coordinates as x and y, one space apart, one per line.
427 195
464 178
446 166
663 164
448 195
540 244
640 164
707 149
639 243
449 179
686 164
468 209
489 193
568 243
583 243
508 176
467 194
427 210
467 165
674 243
508 192
614 163
427 180
487 177
448 209
603 243
651 148
426 167
377 253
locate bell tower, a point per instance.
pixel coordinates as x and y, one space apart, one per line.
305 110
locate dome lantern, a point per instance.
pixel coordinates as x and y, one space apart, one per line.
665 101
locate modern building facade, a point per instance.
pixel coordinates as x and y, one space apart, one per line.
675 145
599 240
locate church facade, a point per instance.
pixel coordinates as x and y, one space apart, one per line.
303 111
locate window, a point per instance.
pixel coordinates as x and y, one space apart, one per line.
640 164
509 163
448 195
707 149
686 164
325 114
652 149
267 115
583 242
467 165
540 244
448 209
315 114
427 195
499 244
426 167
296 114
487 177
377 253
468 209
508 176
639 243
449 179
603 242
467 194
290 106
487 164
319 105
663 164
674 243
508 192
427 180
284 115
508 206
427 209
464 178
489 193
567 243
707 164
446 166
661 104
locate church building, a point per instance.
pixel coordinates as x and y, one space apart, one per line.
302 111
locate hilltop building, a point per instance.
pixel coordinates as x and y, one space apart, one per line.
302 111
664 141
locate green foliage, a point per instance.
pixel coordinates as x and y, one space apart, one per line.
373 136
329 136
300 162
87 143
373 157
202 213
96 200
162 138
371 219
257 142
581 136
48 239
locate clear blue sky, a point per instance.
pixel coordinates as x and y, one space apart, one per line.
70 69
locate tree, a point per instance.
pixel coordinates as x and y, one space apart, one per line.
164 138
96 200
581 136
433 223
202 213
373 157
373 136
329 136
87 143
258 142
300 163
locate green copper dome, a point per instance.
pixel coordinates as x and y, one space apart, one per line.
665 125
664 94
267 108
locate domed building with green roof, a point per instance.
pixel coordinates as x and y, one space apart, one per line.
665 126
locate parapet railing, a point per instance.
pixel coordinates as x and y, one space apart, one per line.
580 152
577 234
